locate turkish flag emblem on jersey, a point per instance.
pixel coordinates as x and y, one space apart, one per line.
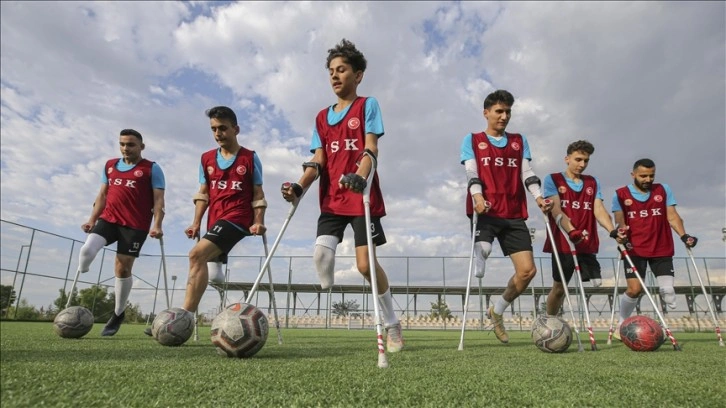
658 198
353 123
588 191
515 145
241 170
138 173
628 201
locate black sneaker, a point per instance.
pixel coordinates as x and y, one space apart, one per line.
113 324
147 331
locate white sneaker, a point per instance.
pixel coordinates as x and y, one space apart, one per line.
596 283
394 338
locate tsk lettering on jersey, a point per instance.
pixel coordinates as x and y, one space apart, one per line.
576 205
349 145
500 161
224 185
120 182
651 212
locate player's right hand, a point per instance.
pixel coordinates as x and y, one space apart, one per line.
192 232
87 227
290 191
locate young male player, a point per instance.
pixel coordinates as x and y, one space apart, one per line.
578 196
230 179
497 165
648 212
132 193
345 137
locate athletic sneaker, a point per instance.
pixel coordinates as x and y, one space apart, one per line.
114 323
616 333
498 323
147 331
394 338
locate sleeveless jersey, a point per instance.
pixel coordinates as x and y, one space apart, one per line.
344 144
130 197
500 169
230 190
579 207
650 232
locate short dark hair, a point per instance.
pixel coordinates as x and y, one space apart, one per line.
498 96
647 163
346 50
221 113
581 146
131 132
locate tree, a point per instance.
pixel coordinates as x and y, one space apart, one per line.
440 309
60 302
7 296
25 311
344 308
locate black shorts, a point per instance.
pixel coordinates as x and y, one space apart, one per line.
331 224
589 267
225 235
130 240
513 235
662 266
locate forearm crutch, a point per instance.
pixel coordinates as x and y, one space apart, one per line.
563 280
708 301
615 300
272 292
474 219
663 323
593 346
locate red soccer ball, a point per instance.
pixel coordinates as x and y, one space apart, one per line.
641 333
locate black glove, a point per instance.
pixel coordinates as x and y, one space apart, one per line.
296 188
355 182
689 240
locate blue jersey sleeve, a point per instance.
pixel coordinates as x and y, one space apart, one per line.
257 179
374 120
315 142
549 186
157 177
526 154
467 152
202 176
598 192
616 203
670 199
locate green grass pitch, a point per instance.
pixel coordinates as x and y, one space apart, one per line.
337 368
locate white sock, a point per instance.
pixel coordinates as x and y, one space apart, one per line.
627 305
500 306
123 289
386 303
89 250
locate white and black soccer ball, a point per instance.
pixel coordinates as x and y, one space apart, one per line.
239 331
73 322
173 327
551 334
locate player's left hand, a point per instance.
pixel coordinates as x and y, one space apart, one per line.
353 182
258 229
545 205
156 233
689 240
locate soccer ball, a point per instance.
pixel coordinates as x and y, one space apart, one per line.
551 334
73 322
173 327
641 333
239 331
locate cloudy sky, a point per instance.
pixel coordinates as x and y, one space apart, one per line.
637 79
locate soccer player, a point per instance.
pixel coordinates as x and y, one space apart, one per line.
578 196
131 194
647 211
345 137
230 179
497 165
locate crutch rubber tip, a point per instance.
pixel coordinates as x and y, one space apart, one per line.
382 361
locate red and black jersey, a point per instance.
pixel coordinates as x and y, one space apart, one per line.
500 169
230 190
650 231
344 144
130 197
579 206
